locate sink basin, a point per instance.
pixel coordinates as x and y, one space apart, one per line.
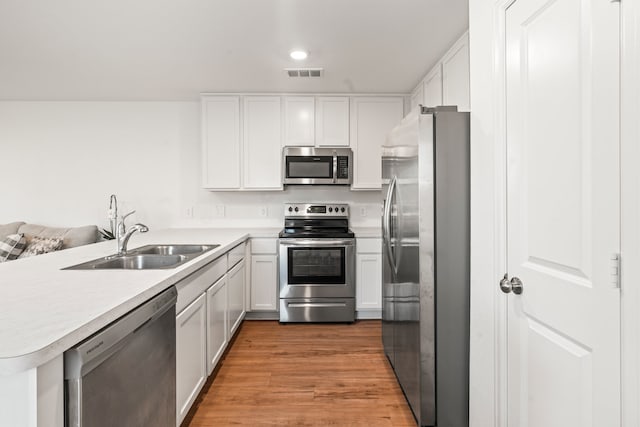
132 262
141 262
150 257
174 249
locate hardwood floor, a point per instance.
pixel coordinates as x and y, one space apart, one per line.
304 375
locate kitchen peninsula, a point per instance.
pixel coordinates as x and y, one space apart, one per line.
45 310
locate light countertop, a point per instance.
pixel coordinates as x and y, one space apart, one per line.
45 310
367 232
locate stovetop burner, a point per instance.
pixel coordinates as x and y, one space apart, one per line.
307 220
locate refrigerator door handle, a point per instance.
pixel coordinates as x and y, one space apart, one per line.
386 224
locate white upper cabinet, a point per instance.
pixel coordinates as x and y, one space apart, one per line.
432 84
332 121
372 118
448 81
242 144
221 144
299 113
455 75
262 152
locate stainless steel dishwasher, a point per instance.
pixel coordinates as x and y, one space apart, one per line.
125 375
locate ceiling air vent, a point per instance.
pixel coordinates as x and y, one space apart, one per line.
304 72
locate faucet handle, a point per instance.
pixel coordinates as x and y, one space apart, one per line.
120 225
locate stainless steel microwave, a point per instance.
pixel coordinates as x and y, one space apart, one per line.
317 166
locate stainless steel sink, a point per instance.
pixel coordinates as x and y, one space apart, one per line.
150 257
142 262
173 249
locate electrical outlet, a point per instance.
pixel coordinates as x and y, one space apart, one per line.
263 211
188 212
219 210
363 211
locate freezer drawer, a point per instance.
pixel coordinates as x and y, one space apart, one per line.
317 309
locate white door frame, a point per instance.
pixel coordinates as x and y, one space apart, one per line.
488 338
630 210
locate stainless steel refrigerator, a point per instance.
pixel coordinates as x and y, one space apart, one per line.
425 296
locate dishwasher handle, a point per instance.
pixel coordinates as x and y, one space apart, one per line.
84 357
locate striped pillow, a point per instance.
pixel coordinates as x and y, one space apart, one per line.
12 246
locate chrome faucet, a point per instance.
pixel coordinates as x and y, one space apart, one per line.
123 235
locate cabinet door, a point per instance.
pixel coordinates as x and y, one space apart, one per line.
216 322
262 148
235 284
332 121
191 351
221 142
455 75
433 87
264 282
371 120
369 282
299 112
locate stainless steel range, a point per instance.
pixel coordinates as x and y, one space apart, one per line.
317 264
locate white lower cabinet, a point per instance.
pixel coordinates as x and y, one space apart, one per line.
191 349
211 308
264 274
264 282
235 297
369 278
216 322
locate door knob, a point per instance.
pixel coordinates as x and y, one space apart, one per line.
515 285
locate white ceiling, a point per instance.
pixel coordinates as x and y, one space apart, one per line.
175 49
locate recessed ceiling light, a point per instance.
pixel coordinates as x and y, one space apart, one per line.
298 55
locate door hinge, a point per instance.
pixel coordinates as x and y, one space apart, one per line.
615 270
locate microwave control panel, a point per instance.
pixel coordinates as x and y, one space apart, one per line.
343 167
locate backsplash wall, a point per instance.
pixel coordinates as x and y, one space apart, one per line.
62 160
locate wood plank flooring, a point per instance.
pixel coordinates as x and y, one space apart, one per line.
303 375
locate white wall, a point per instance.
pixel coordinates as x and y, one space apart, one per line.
62 160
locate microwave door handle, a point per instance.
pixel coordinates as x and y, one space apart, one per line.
335 166
386 224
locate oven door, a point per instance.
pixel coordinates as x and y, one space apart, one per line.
317 268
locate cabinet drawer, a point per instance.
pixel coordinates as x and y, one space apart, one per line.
236 255
192 286
369 246
264 246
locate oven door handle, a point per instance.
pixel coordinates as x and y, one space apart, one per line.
386 224
316 243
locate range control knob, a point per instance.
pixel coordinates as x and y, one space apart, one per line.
290 209
342 209
336 209
330 209
296 209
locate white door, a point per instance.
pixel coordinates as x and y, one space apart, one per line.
563 207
